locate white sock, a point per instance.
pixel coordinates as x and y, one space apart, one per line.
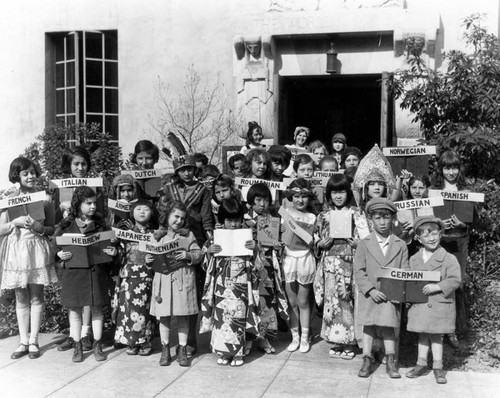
36 321
85 330
23 323
305 334
75 325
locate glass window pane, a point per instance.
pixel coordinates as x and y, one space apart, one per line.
70 101
94 100
59 47
95 119
70 120
59 75
94 73
93 45
111 74
70 74
111 97
112 126
111 45
70 46
60 102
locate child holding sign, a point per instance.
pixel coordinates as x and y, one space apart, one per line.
26 256
333 280
133 292
174 291
299 264
430 320
228 304
380 249
84 284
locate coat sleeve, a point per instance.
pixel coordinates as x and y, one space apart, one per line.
404 261
453 277
206 211
360 270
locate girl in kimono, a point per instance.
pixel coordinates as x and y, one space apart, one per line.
436 317
133 294
272 302
175 292
196 197
228 304
86 286
333 280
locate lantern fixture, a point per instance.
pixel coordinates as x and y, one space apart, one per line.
331 60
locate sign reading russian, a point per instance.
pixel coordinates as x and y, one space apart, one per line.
419 203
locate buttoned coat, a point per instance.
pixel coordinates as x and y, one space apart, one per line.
368 262
438 314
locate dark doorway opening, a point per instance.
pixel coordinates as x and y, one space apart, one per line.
330 104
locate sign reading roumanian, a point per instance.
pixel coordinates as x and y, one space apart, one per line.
76 182
409 150
246 183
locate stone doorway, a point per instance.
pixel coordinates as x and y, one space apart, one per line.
327 104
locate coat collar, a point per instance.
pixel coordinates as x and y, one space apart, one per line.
375 249
436 260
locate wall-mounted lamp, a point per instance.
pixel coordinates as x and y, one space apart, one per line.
331 60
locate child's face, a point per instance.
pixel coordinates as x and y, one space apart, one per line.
376 189
238 165
257 136
300 201
305 170
329 166
186 174
300 139
199 164
278 168
88 207
430 238
417 189
320 152
260 204
176 219
222 192
142 214
382 222
126 193
450 174
145 160
79 167
258 167
337 146
27 178
233 223
351 161
339 198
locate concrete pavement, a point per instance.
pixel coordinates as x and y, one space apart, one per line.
284 374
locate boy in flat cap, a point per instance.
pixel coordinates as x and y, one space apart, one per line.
378 316
436 317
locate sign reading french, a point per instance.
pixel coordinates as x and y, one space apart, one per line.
23 205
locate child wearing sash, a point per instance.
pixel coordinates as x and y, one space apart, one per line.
175 293
436 317
299 265
133 294
196 197
85 286
26 258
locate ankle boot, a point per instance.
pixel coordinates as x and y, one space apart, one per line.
98 354
78 351
182 355
390 367
366 367
165 355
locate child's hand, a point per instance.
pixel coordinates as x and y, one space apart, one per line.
125 223
250 244
325 242
405 174
64 256
21 222
406 226
148 258
182 255
34 225
377 296
278 246
213 249
219 226
110 251
431 288
282 228
353 243
456 223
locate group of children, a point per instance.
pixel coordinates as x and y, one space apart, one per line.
242 298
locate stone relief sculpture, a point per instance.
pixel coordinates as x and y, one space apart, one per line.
315 5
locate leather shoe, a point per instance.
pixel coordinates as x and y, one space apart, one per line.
366 367
165 355
66 344
390 367
182 356
35 353
452 339
20 354
98 354
417 371
440 376
78 352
